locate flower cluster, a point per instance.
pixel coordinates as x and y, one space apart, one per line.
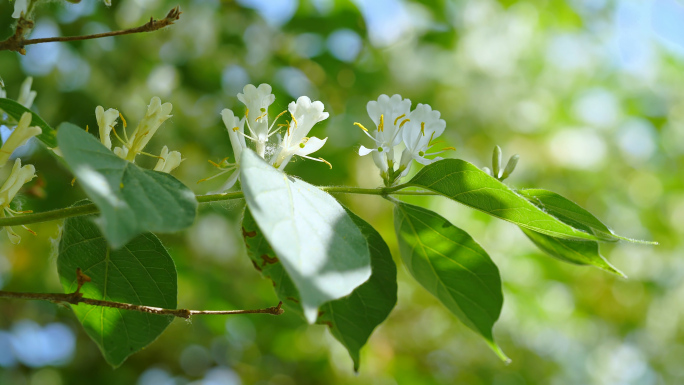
303 113
156 114
401 136
20 175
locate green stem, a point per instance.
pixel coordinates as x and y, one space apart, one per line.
92 209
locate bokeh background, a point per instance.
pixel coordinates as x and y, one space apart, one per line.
589 93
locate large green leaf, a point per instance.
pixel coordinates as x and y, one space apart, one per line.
15 110
571 213
351 319
577 252
461 181
452 266
131 200
320 247
141 273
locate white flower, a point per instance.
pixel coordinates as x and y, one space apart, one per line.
157 114
257 101
305 114
236 130
389 115
21 134
26 96
106 120
18 177
20 7
168 161
425 126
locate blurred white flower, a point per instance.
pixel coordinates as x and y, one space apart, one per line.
18 177
168 160
21 134
26 96
20 7
106 120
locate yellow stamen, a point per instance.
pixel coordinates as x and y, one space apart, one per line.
397 119
294 120
72 182
87 128
404 122
381 126
326 162
123 120
360 126
261 116
422 128
449 148
431 136
235 128
29 230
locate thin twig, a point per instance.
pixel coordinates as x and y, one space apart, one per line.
76 298
17 42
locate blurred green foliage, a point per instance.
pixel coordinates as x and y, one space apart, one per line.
589 93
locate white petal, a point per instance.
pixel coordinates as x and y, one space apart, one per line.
312 145
363 151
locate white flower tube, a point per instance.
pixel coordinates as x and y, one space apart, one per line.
257 101
106 120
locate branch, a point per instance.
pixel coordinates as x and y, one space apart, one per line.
90 208
76 298
17 42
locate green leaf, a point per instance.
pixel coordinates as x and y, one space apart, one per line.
141 273
447 262
351 319
320 247
15 110
577 252
463 182
131 200
267 263
571 213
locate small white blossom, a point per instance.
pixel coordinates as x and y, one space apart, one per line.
305 114
106 120
397 127
294 141
257 101
26 96
21 134
169 160
20 7
156 114
18 177
425 126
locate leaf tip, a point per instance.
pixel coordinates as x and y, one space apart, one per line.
497 350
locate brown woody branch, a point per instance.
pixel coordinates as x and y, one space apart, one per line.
17 42
76 298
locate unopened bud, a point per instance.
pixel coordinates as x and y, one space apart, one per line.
487 170
496 161
510 166
21 134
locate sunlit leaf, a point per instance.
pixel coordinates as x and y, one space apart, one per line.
320 247
463 182
131 200
15 110
447 262
141 273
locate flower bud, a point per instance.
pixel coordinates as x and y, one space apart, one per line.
18 177
26 96
496 161
106 120
487 170
510 166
